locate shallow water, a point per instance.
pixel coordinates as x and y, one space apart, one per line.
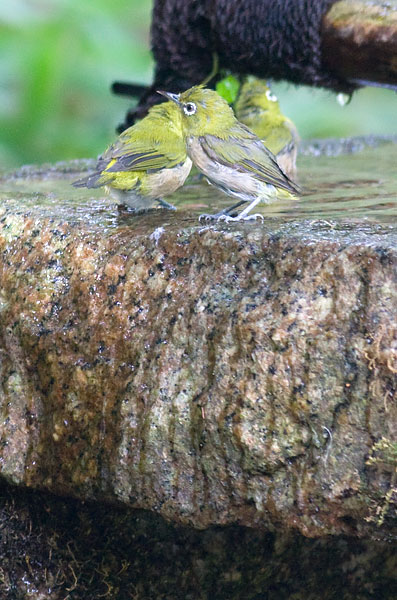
357 186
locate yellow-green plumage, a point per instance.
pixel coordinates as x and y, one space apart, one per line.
229 154
258 108
147 161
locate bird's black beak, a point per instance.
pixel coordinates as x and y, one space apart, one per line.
170 96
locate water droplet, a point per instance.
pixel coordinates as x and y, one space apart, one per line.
343 99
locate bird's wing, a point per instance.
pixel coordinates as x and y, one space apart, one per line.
244 151
142 151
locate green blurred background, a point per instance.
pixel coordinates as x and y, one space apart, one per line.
58 59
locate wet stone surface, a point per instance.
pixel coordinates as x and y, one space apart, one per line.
212 373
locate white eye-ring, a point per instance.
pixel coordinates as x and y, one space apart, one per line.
189 108
270 96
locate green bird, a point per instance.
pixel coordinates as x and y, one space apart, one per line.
146 162
230 155
258 108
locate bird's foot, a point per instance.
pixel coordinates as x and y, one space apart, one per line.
219 216
208 217
227 214
228 218
222 216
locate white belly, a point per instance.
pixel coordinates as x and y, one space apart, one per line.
167 181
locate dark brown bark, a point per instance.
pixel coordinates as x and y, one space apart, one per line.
339 46
360 42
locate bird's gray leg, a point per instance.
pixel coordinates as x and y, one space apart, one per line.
223 212
231 208
166 204
243 216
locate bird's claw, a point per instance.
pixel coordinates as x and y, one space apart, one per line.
225 217
228 218
253 217
220 216
207 217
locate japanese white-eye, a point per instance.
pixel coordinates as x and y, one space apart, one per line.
230 155
147 161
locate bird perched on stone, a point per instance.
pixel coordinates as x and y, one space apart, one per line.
230 155
147 161
258 108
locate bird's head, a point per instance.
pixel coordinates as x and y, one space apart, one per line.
255 95
203 111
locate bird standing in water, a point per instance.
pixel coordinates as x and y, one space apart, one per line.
147 161
258 108
230 155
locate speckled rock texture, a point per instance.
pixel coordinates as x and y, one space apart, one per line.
214 374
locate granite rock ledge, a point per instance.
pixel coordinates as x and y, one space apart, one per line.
214 374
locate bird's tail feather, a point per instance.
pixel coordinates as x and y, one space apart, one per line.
94 180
